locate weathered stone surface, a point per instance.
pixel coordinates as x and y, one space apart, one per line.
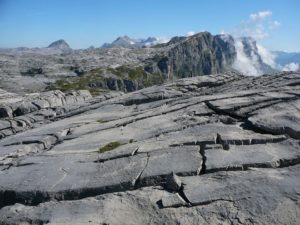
37 107
221 149
285 119
268 187
173 182
172 200
6 111
242 157
179 161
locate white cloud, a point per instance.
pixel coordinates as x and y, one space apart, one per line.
223 32
266 56
258 25
243 63
274 24
259 33
225 36
190 33
260 15
162 40
291 67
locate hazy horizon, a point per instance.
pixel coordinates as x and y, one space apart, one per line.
83 24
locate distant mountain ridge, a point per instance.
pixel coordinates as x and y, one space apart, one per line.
287 60
204 53
287 57
127 42
56 47
124 68
59 44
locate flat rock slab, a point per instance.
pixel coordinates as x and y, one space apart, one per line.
151 205
76 176
68 177
242 157
267 186
207 134
182 161
219 149
285 119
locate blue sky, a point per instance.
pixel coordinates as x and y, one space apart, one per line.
82 23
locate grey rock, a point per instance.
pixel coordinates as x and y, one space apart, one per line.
4 124
193 56
5 111
160 164
236 186
36 108
25 108
285 119
247 156
166 158
173 182
172 201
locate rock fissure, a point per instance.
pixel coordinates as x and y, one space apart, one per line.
136 181
280 163
202 153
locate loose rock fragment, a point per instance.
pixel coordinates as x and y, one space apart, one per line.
173 182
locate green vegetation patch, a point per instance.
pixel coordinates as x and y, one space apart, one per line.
139 74
80 83
158 46
153 79
133 73
96 82
96 72
110 146
136 73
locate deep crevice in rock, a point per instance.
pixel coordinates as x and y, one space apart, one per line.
202 152
248 125
33 198
136 181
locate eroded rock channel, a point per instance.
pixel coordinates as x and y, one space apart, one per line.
187 152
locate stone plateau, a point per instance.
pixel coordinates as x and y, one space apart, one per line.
217 149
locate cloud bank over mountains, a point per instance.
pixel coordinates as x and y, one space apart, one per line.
259 26
291 67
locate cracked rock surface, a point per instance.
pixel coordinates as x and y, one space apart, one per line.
217 149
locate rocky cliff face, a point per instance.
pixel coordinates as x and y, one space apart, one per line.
216 149
201 54
248 59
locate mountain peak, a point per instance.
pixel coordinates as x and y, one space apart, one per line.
59 44
127 42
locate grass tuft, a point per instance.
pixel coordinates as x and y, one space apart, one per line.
110 146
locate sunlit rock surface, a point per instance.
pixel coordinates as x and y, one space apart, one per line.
218 149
